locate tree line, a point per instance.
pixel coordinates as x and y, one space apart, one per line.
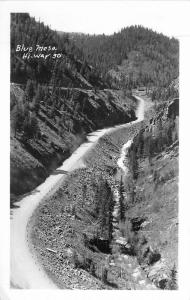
154 56
25 30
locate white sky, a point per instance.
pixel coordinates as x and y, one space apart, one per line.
168 17
171 18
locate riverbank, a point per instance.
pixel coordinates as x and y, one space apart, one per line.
78 239
63 221
45 231
68 218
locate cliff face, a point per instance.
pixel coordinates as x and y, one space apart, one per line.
152 197
62 127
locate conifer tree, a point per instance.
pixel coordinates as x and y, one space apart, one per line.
38 98
121 200
29 91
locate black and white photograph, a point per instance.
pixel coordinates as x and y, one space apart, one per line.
94 145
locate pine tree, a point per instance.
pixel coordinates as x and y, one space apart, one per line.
121 200
29 91
35 130
30 126
27 127
134 161
140 143
147 145
38 98
18 118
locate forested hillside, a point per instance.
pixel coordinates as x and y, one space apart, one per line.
151 219
133 57
55 102
65 68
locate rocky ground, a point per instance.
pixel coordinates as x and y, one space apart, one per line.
74 233
63 221
155 215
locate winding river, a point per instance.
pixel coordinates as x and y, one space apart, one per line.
26 273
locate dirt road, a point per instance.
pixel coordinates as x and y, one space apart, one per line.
26 273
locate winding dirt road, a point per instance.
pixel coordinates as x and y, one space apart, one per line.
26 273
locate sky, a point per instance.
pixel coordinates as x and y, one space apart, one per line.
95 17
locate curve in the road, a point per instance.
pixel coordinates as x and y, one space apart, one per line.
26 273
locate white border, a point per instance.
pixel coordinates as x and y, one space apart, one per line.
184 208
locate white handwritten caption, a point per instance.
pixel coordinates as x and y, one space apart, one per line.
38 52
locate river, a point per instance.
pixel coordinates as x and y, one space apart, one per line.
26 273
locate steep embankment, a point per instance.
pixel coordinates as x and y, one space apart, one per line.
61 129
78 216
117 241
25 269
21 257
151 220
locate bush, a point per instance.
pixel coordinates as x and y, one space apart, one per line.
31 127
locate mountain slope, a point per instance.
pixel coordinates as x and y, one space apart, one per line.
151 218
103 227
54 103
132 57
145 256
38 53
